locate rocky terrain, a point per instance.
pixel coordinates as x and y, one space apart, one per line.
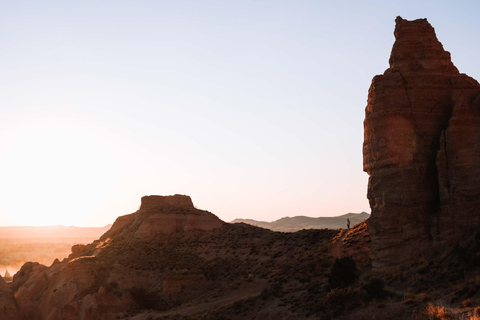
421 149
171 260
292 224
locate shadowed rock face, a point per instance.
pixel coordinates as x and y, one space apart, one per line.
421 149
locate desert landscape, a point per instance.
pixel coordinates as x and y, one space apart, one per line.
416 256
41 244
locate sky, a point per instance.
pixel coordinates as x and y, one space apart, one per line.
253 108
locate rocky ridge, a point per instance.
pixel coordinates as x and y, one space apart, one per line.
292 224
170 259
421 149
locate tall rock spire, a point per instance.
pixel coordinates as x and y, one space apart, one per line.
417 49
424 185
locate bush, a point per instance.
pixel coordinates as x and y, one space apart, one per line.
476 312
374 288
435 313
147 300
342 299
343 274
468 256
275 290
467 303
314 287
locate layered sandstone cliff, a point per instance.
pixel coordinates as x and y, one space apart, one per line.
421 149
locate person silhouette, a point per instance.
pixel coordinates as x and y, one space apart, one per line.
348 224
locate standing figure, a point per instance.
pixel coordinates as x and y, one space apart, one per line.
348 224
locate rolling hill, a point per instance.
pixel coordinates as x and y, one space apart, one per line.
292 224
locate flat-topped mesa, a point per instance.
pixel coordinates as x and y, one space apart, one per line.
161 202
163 215
421 149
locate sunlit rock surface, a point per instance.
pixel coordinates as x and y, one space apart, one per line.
421 149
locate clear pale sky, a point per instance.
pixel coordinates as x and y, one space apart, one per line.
253 108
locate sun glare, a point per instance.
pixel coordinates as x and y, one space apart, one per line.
55 168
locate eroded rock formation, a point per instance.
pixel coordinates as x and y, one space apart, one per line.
8 306
97 280
164 214
421 149
171 260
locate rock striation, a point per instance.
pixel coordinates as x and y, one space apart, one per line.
421 149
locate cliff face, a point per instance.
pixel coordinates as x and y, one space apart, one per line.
421 149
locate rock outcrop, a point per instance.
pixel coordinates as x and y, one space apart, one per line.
164 214
162 202
80 287
421 149
171 260
8 306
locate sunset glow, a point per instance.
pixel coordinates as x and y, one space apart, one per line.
254 110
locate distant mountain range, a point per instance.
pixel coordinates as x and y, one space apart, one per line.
293 224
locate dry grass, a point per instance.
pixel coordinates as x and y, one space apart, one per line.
437 313
476 312
467 303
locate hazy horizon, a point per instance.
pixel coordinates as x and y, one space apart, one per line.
54 226
254 109
238 218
